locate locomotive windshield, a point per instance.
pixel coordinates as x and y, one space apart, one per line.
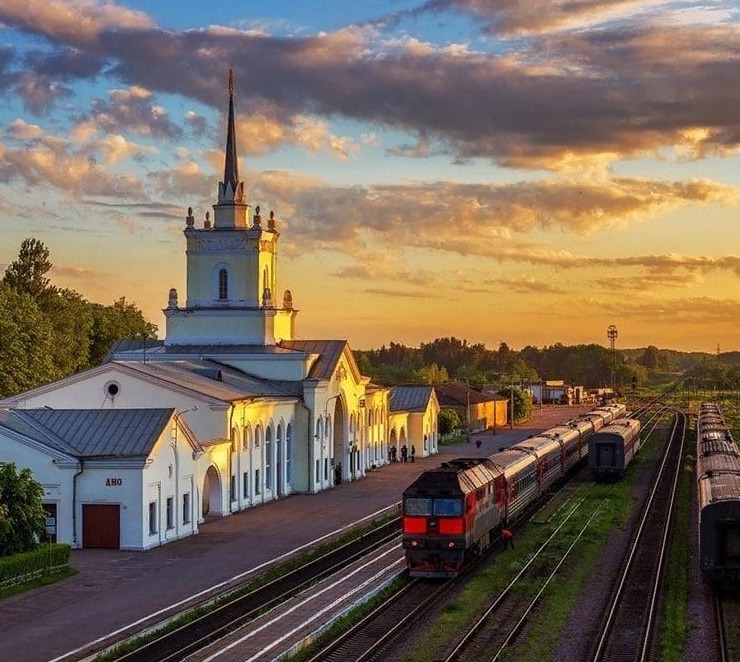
444 507
418 507
447 507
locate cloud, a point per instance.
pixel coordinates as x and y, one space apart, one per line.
22 131
40 92
132 109
521 17
264 131
472 219
564 100
79 22
53 161
75 272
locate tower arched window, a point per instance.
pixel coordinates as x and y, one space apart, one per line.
223 285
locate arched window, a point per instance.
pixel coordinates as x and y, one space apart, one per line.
268 458
327 426
319 429
247 437
223 285
288 453
258 436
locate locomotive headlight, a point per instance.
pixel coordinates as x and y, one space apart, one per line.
450 544
414 543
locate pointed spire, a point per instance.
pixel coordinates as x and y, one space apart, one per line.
231 167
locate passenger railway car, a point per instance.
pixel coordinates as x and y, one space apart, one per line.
611 449
457 510
718 492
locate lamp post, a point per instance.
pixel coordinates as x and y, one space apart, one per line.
612 334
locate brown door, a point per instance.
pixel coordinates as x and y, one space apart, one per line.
101 526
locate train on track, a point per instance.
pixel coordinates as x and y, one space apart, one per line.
718 491
611 449
455 511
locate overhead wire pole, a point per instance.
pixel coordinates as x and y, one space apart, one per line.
612 334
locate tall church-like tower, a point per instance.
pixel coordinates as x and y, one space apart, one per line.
231 270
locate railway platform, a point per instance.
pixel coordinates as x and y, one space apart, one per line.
120 591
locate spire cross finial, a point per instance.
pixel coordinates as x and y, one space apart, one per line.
231 82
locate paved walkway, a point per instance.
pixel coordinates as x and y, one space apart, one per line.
116 588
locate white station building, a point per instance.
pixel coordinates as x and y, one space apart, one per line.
230 410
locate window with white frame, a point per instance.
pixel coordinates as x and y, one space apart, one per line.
186 508
268 458
170 512
152 518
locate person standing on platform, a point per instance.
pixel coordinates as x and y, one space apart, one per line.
413 452
404 453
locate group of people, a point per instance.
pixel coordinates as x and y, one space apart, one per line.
405 457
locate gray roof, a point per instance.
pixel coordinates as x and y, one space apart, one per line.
13 420
157 349
99 433
409 398
216 380
329 351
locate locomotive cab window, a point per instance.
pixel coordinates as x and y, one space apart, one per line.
418 506
447 507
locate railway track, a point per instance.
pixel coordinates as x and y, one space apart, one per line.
723 653
632 614
507 616
383 627
236 609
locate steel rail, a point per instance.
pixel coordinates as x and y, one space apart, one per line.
618 594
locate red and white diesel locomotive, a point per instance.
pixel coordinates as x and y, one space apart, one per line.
455 511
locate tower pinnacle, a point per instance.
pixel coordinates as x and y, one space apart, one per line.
231 165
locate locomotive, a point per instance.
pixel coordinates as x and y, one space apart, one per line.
455 511
718 491
611 449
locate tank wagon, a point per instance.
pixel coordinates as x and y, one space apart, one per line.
611 449
718 492
457 510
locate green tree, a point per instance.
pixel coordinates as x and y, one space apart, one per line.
21 501
70 317
448 420
522 403
121 320
27 273
431 374
26 343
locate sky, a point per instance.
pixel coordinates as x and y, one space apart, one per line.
519 171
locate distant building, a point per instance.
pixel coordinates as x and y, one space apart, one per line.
476 408
229 411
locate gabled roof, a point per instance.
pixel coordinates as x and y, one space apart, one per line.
215 380
329 351
156 349
98 433
410 398
456 394
13 420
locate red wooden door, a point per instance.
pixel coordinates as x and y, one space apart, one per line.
101 526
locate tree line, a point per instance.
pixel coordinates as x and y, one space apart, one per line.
590 365
48 332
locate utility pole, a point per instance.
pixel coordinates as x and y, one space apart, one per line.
612 334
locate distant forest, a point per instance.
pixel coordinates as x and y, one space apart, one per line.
591 365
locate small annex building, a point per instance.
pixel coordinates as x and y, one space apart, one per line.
413 417
117 465
229 410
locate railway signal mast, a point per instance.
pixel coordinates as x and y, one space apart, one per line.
612 334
